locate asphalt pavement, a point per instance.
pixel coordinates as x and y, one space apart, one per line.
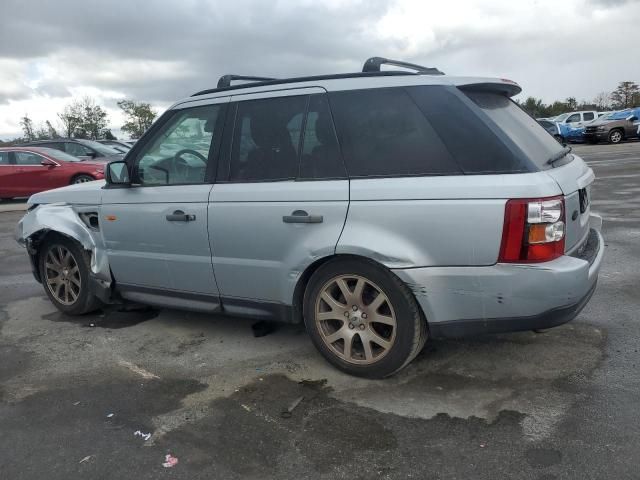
556 405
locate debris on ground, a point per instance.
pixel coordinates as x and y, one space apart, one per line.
169 461
109 415
262 328
86 459
246 407
287 413
75 404
138 433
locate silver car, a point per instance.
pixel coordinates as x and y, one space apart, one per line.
380 208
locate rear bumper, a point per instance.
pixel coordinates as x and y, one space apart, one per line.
460 301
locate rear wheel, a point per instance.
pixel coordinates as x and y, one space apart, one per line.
82 179
362 318
64 270
615 136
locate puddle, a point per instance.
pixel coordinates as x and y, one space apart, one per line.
110 317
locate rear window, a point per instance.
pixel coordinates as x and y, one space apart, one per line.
523 131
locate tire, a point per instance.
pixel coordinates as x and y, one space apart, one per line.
71 296
82 178
615 136
402 332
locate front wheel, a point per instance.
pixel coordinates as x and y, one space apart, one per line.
82 179
615 136
362 318
64 270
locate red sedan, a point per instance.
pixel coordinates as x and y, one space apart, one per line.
28 170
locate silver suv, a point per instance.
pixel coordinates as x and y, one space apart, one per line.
381 208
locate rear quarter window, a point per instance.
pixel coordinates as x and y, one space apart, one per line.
383 133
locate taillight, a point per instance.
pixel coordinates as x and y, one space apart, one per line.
533 230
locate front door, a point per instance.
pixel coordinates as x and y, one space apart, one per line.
280 200
156 231
30 175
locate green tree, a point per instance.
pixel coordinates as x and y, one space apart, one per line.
571 103
93 119
602 101
71 117
107 135
27 127
626 95
139 117
51 132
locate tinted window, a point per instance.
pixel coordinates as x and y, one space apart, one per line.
588 116
76 149
320 152
179 152
527 138
573 118
58 155
383 133
4 158
266 139
27 158
475 144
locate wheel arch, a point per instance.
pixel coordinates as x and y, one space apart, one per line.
303 281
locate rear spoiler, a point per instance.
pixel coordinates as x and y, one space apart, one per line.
502 86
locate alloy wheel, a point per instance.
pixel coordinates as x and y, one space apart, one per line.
355 319
615 137
62 275
83 179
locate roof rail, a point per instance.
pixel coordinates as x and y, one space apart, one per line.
225 80
374 63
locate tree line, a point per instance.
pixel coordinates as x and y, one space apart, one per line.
626 95
84 118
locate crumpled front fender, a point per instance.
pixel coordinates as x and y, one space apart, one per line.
64 219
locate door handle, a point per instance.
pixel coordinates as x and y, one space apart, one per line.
180 216
300 216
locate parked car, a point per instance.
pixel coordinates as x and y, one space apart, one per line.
379 208
576 119
550 127
118 145
615 127
84 149
28 170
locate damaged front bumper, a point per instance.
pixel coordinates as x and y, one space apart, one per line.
66 220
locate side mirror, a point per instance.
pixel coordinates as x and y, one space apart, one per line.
633 118
117 173
48 163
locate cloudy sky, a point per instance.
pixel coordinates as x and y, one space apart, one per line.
161 50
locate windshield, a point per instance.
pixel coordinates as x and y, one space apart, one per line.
527 134
59 155
618 115
100 148
562 117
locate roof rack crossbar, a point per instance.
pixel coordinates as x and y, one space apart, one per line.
374 63
225 80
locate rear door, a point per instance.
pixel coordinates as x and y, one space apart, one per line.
281 196
156 231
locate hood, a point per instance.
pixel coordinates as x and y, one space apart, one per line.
89 193
110 158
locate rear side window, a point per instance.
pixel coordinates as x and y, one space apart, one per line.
533 141
320 152
4 158
76 149
266 139
588 116
383 133
476 145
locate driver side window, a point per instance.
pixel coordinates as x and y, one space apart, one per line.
179 152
